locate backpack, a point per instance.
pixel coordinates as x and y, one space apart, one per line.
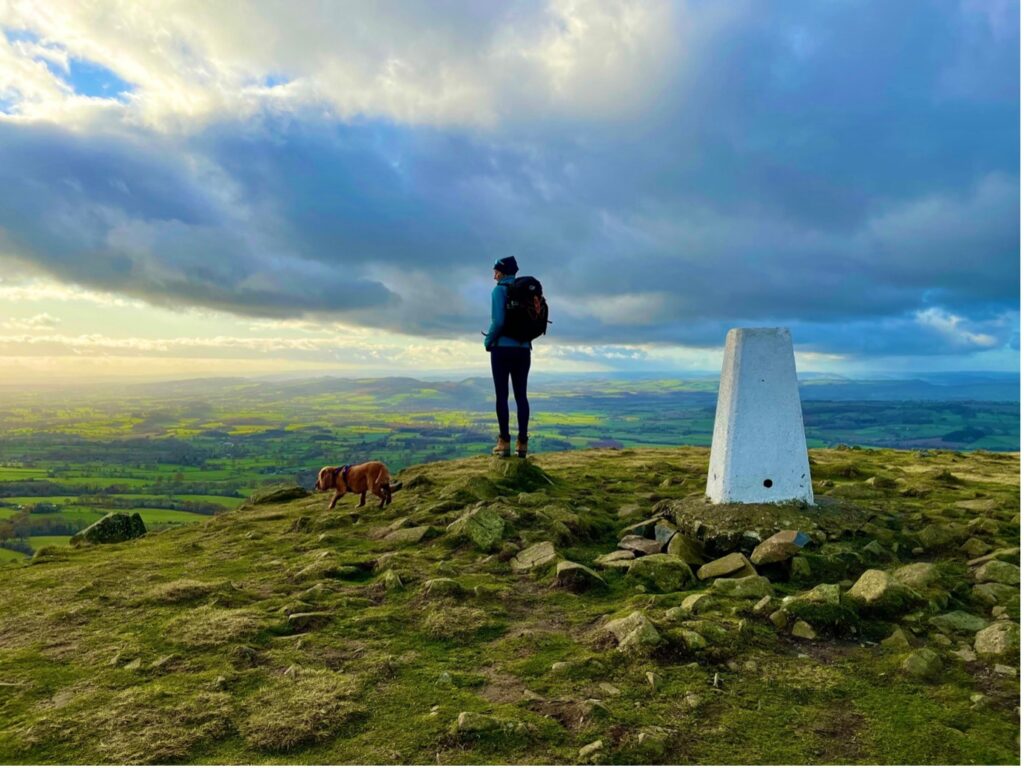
526 311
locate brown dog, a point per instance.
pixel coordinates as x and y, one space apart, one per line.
371 476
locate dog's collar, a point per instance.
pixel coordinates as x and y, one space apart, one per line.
343 471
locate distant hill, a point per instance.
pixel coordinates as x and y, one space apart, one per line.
483 618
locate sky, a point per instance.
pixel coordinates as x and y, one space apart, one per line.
195 188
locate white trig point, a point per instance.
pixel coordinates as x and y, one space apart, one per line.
759 451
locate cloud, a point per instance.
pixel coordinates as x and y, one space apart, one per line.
41 322
668 170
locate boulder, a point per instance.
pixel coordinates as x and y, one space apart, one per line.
483 526
938 536
695 603
897 641
404 536
974 547
644 529
111 529
734 565
998 640
992 593
998 572
634 632
779 547
958 621
747 587
923 664
662 573
640 545
917 576
576 577
803 630
391 580
663 531
277 494
620 558
687 549
877 592
475 725
536 556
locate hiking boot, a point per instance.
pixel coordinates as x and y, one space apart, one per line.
521 447
503 448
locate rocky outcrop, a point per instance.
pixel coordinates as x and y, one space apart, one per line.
111 529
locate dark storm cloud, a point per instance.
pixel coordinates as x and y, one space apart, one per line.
848 170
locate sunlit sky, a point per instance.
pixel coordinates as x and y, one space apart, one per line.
196 188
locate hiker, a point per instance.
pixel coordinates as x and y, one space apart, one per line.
509 359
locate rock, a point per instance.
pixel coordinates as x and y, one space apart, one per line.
694 641
591 750
560 666
634 632
304 622
443 587
764 606
779 618
875 551
938 536
533 557
620 558
897 641
998 640
998 572
696 603
111 529
974 547
640 545
917 576
779 547
653 680
576 577
992 593
734 565
687 549
923 664
823 594
664 573
473 725
644 529
958 621
1005 670
965 654
803 630
877 592
1007 554
664 530
799 569
483 526
411 535
746 587
277 494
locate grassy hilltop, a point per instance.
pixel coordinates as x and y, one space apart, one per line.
280 632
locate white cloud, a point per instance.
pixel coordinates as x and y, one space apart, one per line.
41 322
46 290
954 328
476 64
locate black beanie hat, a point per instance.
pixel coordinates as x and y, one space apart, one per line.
507 265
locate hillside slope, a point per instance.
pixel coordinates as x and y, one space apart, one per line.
287 633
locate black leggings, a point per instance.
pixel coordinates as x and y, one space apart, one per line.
511 362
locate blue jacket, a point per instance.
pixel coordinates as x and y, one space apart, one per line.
498 298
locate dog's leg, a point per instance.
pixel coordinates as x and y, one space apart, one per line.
362 499
334 500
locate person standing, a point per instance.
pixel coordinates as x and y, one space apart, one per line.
510 359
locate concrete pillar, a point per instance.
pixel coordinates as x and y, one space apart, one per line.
759 450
